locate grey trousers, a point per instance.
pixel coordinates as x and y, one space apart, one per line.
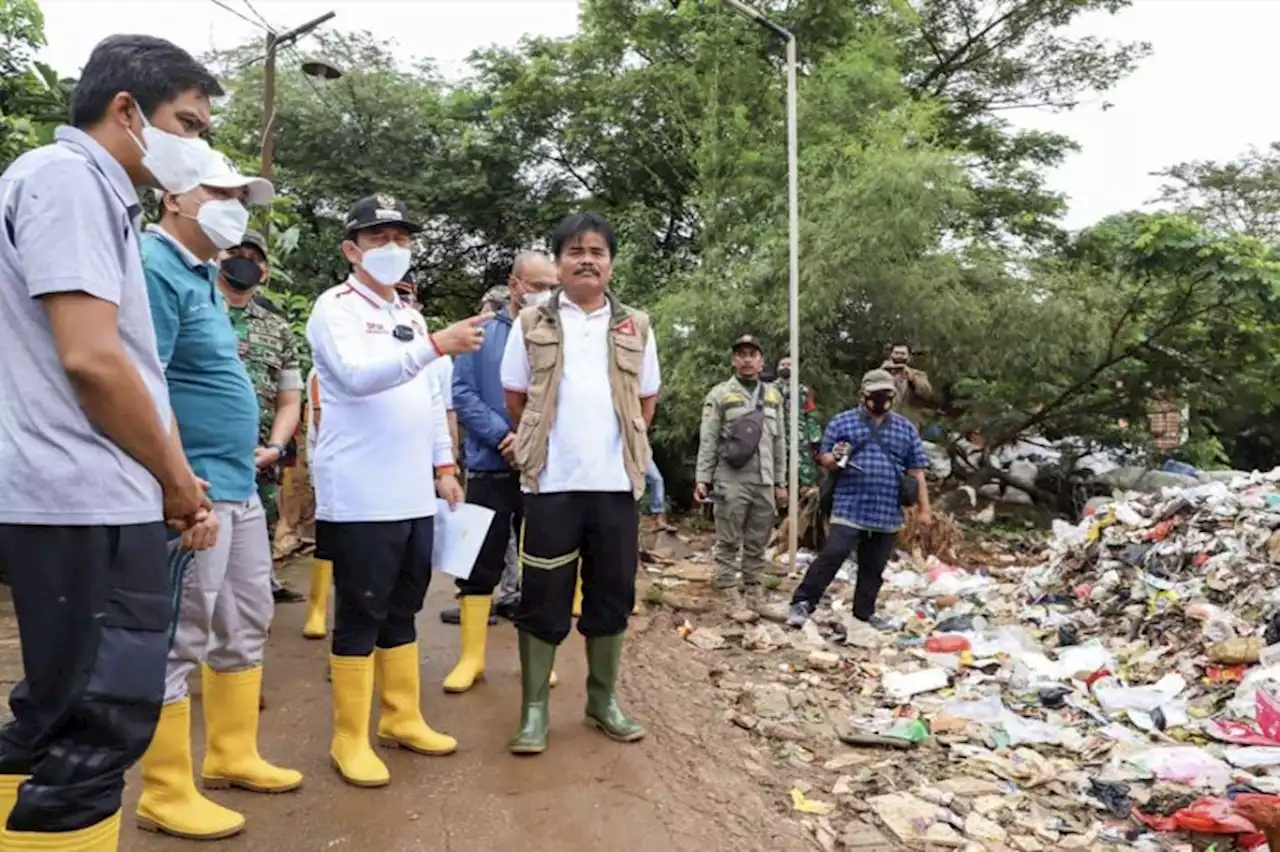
226 606
509 589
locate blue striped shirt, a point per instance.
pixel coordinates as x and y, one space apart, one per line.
867 489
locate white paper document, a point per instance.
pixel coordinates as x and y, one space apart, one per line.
459 534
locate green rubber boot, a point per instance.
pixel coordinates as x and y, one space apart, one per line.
537 658
604 658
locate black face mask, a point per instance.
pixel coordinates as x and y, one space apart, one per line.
879 403
784 373
242 273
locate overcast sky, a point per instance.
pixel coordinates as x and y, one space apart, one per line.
1204 94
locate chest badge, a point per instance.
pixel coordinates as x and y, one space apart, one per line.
626 327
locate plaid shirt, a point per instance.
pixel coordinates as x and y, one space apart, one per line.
867 489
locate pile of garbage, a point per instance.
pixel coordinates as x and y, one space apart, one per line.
1121 691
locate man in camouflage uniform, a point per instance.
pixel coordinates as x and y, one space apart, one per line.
810 428
270 353
746 498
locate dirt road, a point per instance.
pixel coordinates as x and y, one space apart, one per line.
686 787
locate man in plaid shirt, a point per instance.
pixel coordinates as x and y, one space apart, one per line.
868 449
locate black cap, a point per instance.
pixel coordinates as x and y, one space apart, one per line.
380 209
748 340
255 239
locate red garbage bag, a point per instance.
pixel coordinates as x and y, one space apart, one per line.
1210 815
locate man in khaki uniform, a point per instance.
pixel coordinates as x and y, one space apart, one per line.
914 393
742 469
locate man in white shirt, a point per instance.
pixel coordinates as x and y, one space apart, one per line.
581 377
316 625
384 439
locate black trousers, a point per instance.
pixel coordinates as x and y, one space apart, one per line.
501 493
381 570
95 607
601 528
874 550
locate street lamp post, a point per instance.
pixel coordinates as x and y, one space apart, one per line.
275 41
793 287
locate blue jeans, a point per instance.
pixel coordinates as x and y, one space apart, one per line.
657 493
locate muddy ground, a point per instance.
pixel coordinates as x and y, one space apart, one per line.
693 784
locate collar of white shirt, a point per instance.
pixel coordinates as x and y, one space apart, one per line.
565 301
373 298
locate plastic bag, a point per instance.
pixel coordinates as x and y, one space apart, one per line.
1210 816
1184 765
1267 733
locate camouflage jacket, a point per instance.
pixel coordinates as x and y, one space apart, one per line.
270 353
810 431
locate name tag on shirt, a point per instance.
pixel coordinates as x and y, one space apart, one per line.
376 328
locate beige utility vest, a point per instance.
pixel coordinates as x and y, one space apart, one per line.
544 345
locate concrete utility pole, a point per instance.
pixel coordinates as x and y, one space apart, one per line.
315 68
793 289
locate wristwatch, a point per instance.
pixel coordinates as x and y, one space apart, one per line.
280 451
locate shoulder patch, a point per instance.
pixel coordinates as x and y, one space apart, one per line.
772 397
734 398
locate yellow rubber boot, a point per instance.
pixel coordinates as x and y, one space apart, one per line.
350 752
231 756
473 613
318 599
99 837
9 785
170 802
401 723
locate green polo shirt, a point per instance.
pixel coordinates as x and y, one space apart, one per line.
209 387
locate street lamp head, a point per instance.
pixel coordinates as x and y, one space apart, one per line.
320 68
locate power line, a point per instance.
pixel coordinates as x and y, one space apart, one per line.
238 14
259 16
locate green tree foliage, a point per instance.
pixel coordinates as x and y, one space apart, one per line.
924 212
1238 197
1241 196
33 100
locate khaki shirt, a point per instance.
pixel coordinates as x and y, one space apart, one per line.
915 394
727 402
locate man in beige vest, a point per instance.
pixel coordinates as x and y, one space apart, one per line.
581 377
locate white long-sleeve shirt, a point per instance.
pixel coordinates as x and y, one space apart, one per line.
384 429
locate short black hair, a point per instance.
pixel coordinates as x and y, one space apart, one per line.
904 344
580 224
151 69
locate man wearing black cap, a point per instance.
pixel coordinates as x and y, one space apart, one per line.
742 469
269 351
384 441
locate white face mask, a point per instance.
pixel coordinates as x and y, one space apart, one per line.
387 264
175 162
530 300
224 222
